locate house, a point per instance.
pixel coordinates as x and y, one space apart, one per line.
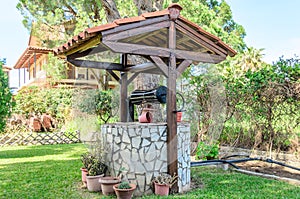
32 63
6 70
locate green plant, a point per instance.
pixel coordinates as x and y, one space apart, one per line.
206 152
165 179
124 185
5 98
93 164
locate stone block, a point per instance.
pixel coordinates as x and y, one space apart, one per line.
149 166
159 145
114 131
135 155
125 138
125 154
158 165
131 132
139 167
145 142
150 155
117 140
136 141
145 133
155 137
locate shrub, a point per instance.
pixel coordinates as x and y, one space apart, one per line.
207 152
5 98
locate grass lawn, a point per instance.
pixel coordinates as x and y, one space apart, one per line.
52 171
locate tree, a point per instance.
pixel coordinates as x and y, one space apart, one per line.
5 98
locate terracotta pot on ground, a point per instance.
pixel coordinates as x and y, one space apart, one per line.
107 184
124 193
93 183
161 189
84 172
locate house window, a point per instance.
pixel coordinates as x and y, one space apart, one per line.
80 76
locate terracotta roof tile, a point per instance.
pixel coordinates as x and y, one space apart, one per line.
156 14
101 27
129 20
27 54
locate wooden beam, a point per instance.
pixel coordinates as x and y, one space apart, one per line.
172 148
181 68
114 75
204 41
100 48
135 25
124 92
97 65
141 67
161 65
162 52
133 76
136 31
86 45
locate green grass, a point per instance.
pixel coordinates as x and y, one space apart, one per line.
52 171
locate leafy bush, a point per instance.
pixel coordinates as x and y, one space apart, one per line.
34 100
5 98
207 152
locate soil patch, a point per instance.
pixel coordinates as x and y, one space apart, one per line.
271 169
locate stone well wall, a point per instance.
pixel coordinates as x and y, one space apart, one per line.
141 149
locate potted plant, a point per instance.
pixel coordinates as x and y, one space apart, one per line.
107 184
96 169
163 182
124 190
85 159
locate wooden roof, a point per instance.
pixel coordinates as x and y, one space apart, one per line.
148 34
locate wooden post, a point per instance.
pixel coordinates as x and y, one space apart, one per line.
24 75
19 77
34 67
124 92
172 141
29 69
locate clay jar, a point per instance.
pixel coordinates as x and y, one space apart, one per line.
146 116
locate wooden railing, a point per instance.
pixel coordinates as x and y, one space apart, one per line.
37 138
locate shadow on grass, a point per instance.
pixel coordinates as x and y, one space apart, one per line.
33 151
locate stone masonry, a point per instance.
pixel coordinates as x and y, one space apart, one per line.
139 151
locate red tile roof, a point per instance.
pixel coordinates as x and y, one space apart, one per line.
91 32
28 56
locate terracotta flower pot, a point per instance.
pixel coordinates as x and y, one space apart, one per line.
161 189
84 172
107 184
146 117
124 193
179 116
93 183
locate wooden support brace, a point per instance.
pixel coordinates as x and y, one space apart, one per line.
161 65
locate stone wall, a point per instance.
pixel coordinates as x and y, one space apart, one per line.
139 150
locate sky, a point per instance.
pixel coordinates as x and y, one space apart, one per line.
271 25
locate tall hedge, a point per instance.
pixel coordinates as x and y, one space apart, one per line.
5 98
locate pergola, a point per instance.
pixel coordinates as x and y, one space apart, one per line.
167 40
